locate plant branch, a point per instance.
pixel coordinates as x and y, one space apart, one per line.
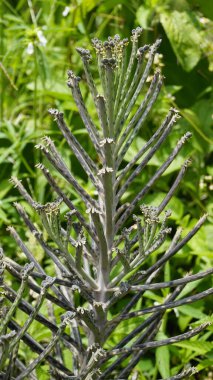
164 342
155 177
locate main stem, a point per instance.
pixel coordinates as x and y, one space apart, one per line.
108 181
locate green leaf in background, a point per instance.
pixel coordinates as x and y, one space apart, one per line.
200 347
145 366
43 372
194 121
88 5
183 36
175 204
191 311
144 15
200 246
208 319
163 358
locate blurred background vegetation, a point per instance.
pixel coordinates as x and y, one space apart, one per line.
37 46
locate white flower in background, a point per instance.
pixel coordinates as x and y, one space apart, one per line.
204 20
38 38
42 39
30 48
66 11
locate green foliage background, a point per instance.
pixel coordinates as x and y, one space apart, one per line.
37 46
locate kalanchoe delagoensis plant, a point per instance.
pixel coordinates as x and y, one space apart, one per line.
104 253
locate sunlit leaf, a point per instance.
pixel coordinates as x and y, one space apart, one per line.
183 36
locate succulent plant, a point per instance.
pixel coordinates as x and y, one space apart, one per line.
102 253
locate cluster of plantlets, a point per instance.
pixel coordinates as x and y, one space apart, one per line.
93 253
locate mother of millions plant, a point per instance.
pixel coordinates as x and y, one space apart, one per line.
97 260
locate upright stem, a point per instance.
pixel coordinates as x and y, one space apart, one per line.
106 108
